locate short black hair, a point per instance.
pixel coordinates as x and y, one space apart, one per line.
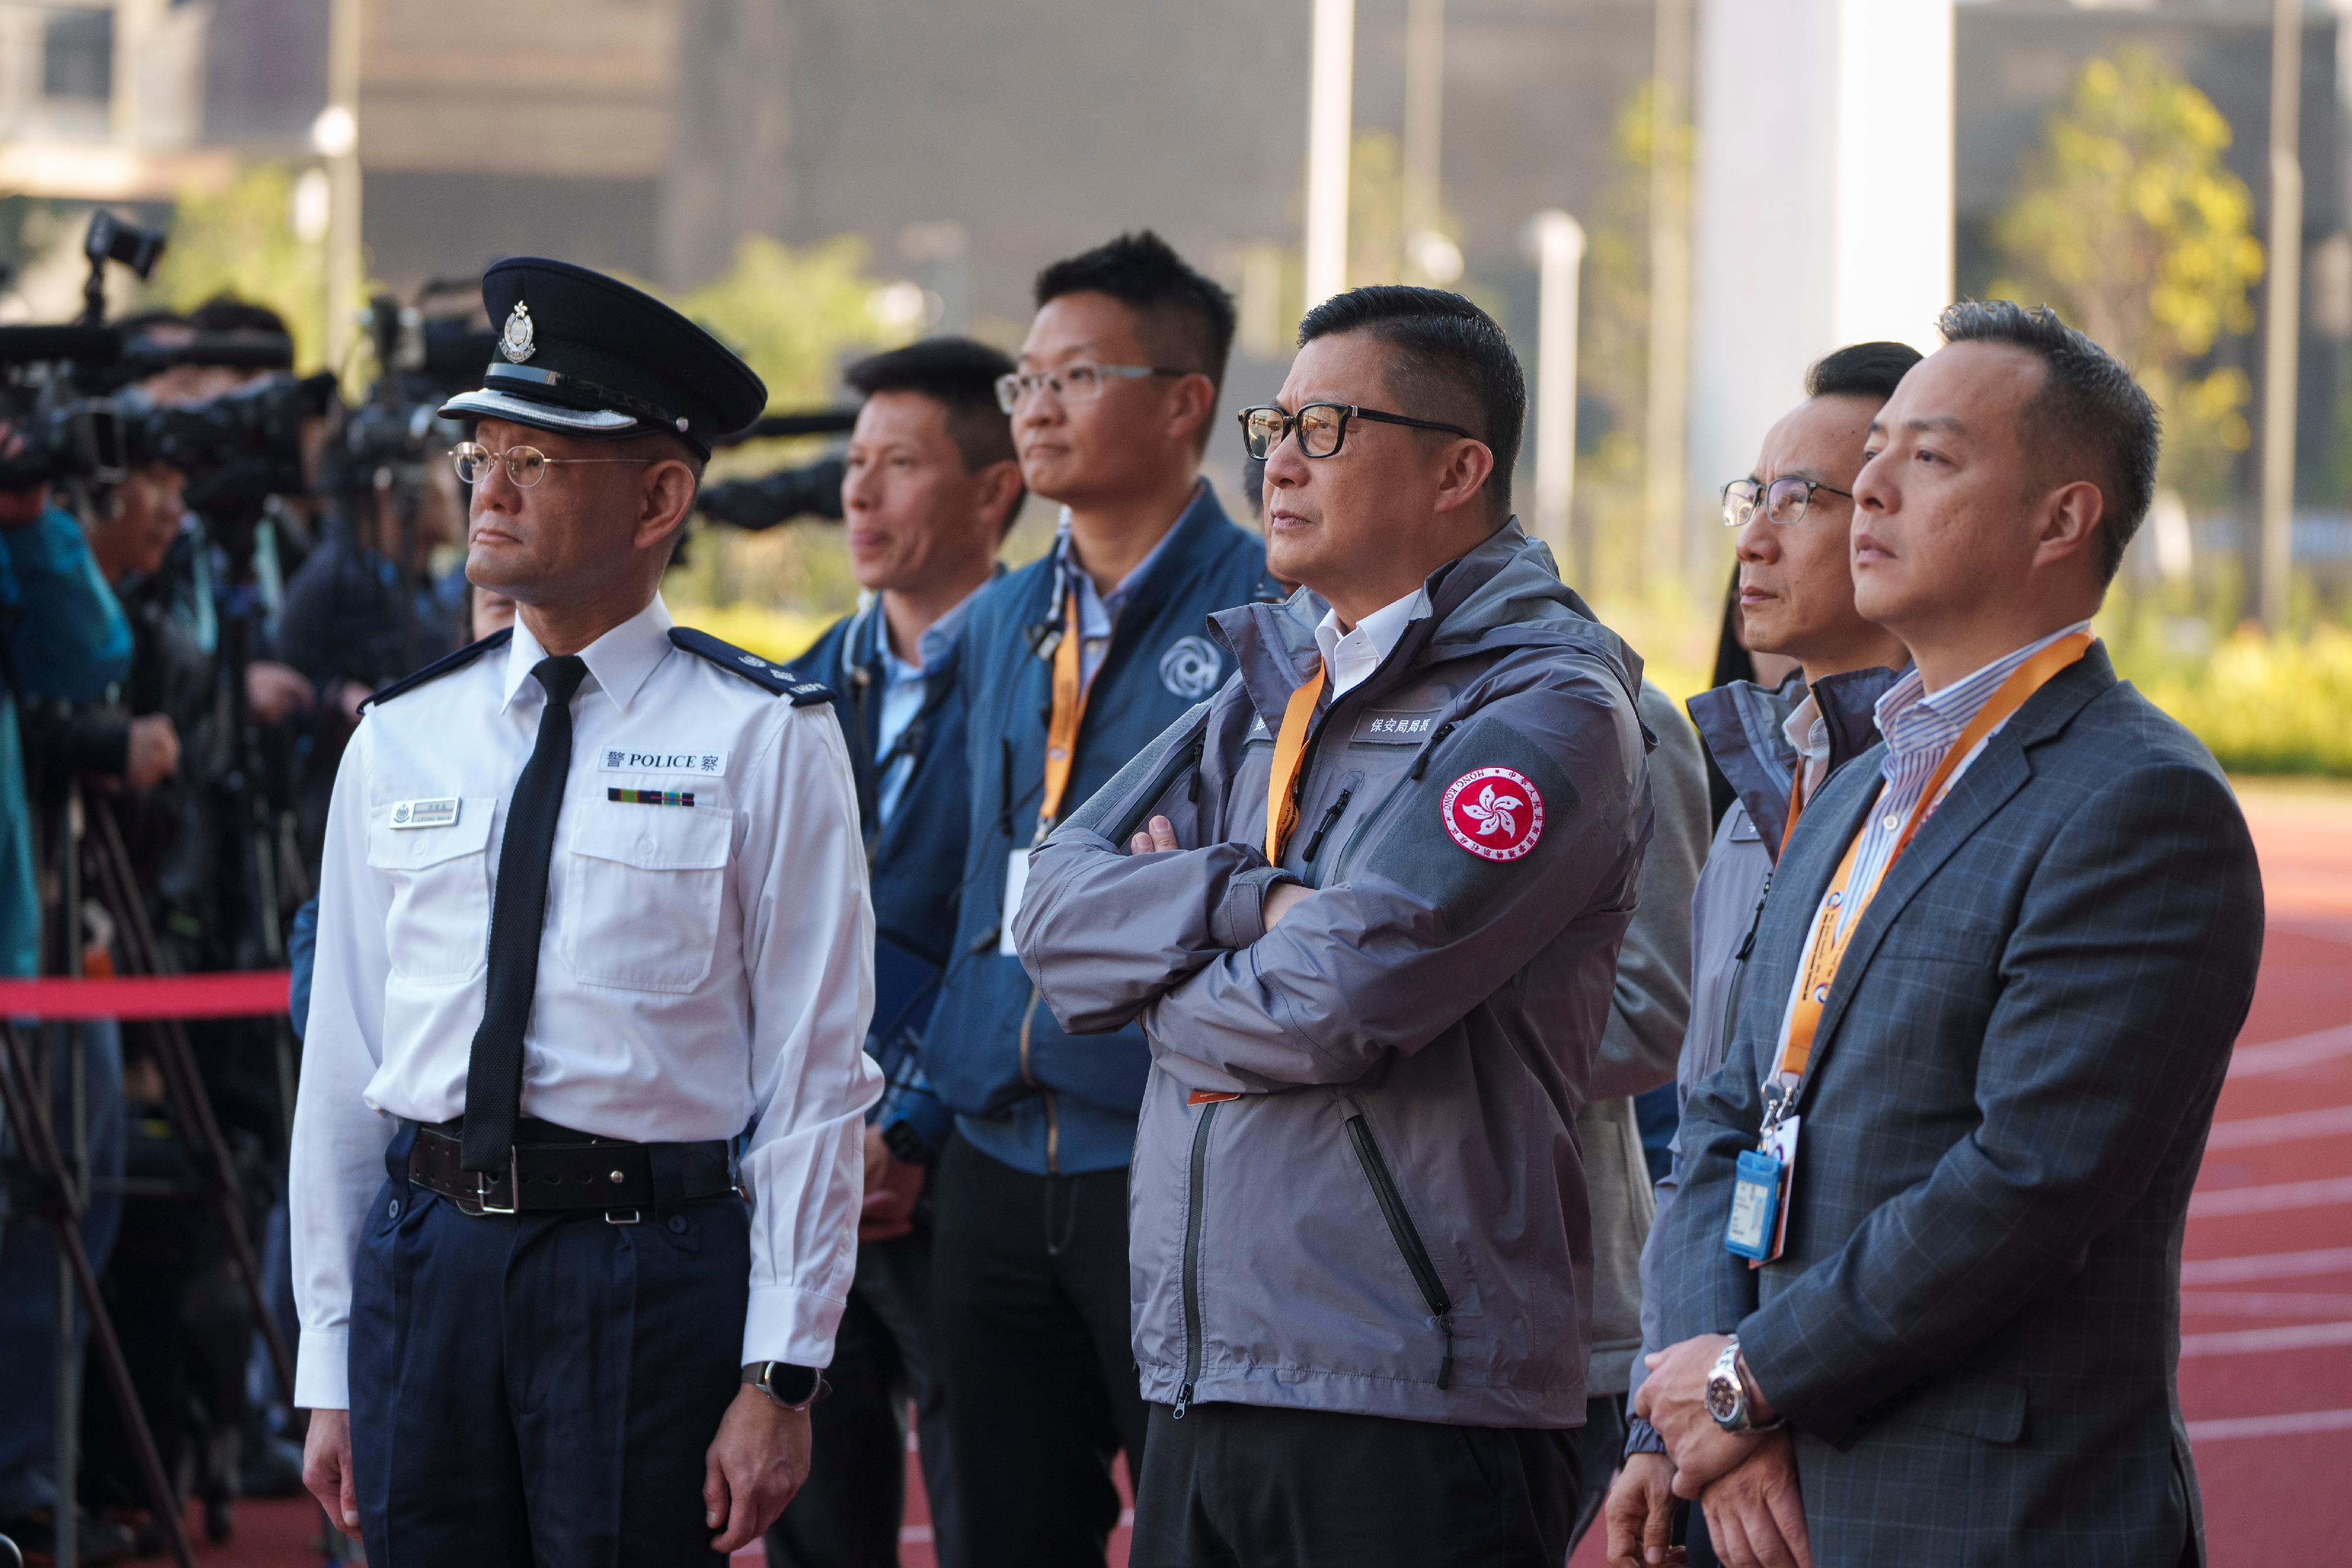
2088 411
960 375
1452 363
1187 317
227 313
1861 369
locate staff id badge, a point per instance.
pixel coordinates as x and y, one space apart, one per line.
1758 1230
1755 1205
1016 880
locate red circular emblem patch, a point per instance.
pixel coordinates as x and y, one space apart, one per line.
1494 813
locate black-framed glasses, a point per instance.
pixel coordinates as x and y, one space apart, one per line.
525 466
1080 382
1322 427
1784 500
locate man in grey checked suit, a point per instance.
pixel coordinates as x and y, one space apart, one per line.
1972 1334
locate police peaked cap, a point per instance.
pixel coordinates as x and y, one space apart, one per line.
583 354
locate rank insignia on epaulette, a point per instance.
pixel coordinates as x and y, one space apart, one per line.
651 797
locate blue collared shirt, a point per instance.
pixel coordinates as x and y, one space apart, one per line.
902 699
1098 610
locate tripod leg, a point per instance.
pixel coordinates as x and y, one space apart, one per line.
35 1136
178 1060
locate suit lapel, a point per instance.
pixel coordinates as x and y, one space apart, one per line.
1998 773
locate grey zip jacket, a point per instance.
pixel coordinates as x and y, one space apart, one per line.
1357 1183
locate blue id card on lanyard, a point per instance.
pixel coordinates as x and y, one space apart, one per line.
1755 1206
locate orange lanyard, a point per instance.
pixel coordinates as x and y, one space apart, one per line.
1841 910
1796 808
1289 751
1062 730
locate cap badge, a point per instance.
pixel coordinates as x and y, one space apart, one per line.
519 341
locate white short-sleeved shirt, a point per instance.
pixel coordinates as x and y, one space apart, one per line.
704 969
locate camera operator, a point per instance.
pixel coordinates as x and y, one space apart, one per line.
62 639
363 610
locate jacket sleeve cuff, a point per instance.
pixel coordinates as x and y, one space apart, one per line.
322 1370
1239 918
1640 1438
786 1324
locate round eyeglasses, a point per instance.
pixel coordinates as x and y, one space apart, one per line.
1071 384
525 466
1322 427
1784 500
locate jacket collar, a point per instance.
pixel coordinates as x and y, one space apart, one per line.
1503 592
1741 724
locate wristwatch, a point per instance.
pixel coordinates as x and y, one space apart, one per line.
1727 1394
793 1388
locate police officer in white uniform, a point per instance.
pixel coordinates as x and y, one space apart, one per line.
594 903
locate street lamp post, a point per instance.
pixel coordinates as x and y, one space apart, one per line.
2281 310
1557 241
1331 111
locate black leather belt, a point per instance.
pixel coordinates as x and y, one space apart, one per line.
553 1168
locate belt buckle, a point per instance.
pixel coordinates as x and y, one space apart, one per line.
482 1204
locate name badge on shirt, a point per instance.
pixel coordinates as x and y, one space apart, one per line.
435 813
631 760
1394 727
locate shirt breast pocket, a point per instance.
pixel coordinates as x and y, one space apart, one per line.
646 887
438 929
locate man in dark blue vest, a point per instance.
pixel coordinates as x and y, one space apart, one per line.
930 487
1069 667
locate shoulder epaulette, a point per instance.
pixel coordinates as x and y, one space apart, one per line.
760 671
441 666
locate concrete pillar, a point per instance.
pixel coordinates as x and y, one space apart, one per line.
1823 207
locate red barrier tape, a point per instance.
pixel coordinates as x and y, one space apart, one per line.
248 993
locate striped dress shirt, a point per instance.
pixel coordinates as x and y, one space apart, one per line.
1919 726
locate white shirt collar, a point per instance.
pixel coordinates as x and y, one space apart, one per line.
1350 657
619 661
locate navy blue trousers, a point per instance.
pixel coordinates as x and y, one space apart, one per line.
540 1388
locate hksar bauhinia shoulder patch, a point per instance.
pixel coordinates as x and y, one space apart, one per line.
1495 813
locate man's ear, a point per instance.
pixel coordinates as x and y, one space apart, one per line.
664 496
1462 471
2069 522
1192 404
998 487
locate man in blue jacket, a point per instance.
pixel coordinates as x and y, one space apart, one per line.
64 640
929 487
1069 667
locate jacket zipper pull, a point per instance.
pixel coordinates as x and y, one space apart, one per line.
1183 1402
1339 809
1445 1364
1747 943
1421 761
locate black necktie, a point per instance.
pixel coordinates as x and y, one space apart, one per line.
494 1073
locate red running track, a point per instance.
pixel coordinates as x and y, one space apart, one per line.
2266 1362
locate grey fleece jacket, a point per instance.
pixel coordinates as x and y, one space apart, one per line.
1357 1182
1647 1015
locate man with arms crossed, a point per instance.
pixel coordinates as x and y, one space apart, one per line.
1982 1038
1069 667
1370 917
929 487
594 905
1792 515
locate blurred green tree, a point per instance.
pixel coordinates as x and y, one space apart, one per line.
796 315
242 240
2128 221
